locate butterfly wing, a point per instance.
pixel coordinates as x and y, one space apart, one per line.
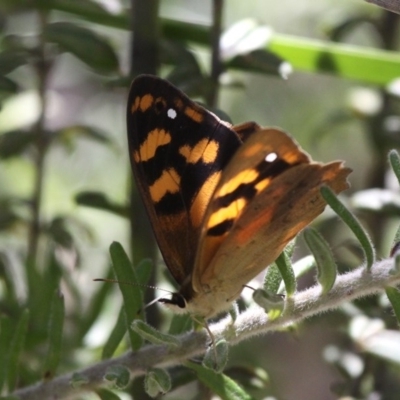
267 194
177 150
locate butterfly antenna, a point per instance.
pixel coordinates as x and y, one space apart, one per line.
132 284
137 284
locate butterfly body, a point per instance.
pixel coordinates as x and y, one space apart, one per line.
223 200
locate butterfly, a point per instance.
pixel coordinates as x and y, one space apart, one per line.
223 200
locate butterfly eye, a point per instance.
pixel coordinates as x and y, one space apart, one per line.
271 157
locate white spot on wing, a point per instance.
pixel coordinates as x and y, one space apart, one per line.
271 157
171 113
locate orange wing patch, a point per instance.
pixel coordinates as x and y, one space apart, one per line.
202 199
168 183
194 115
155 139
205 151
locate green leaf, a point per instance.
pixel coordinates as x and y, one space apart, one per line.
234 311
100 201
41 291
216 356
347 61
262 61
86 45
118 375
7 86
144 271
271 302
285 268
352 222
394 160
68 135
219 384
91 11
78 380
157 381
272 279
393 295
180 323
15 350
55 334
347 25
14 143
115 337
59 232
131 292
95 307
6 335
8 217
175 52
152 335
105 394
11 59
326 265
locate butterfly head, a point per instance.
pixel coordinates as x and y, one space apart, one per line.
177 302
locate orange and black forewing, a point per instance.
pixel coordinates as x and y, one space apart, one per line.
178 150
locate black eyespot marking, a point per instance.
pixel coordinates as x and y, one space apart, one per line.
159 105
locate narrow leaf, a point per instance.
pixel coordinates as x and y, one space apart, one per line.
95 307
15 350
326 265
157 381
234 311
152 335
105 394
78 380
68 134
286 270
394 159
7 87
352 222
216 356
144 271
88 46
262 61
55 333
14 143
272 279
347 61
100 201
115 337
11 59
118 375
271 302
393 295
131 293
219 384
6 335
180 323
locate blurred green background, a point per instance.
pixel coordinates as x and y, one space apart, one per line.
62 134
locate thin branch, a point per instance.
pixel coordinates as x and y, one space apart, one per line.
212 98
42 69
254 321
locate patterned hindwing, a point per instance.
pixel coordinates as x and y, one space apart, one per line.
178 150
268 192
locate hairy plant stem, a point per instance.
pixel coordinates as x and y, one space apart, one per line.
352 285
